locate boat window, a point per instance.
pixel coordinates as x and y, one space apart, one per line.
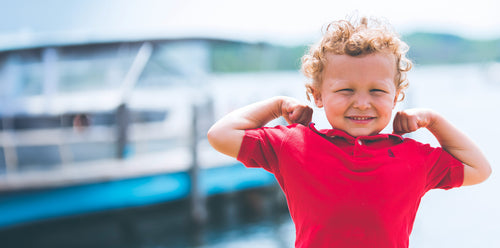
22 73
94 67
175 63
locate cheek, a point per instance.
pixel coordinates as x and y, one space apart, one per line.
336 104
385 106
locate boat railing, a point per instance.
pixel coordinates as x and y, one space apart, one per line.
47 157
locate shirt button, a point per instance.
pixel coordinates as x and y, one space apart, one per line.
360 142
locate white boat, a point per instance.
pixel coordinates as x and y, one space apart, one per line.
89 127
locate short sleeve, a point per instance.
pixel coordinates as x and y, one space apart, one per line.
260 147
444 170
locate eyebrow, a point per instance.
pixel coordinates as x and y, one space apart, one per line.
376 82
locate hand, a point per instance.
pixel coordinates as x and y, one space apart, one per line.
411 120
295 112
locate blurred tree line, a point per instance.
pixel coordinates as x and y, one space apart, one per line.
434 48
229 56
425 48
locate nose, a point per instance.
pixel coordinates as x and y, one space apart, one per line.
361 102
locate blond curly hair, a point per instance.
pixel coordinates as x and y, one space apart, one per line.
356 38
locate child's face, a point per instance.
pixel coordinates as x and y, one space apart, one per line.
358 93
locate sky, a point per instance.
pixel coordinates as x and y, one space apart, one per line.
24 22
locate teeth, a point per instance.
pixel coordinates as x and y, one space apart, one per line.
360 118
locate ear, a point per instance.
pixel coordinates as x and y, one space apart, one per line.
317 97
396 97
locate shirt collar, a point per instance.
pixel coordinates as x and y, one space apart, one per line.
332 133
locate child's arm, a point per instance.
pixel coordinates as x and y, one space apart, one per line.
476 167
227 134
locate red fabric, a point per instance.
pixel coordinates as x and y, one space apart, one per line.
350 192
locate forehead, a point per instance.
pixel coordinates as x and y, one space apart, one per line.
369 68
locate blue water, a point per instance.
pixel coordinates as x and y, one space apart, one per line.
251 218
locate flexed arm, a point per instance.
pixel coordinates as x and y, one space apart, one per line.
227 134
476 166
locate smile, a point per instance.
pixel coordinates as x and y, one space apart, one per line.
361 118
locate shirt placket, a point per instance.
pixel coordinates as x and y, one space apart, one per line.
358 145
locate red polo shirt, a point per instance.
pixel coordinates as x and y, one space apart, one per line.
350 192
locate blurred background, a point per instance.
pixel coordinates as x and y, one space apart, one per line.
104 107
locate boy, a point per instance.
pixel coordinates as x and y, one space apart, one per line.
351 186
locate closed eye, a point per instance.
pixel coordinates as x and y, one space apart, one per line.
378 91
345 90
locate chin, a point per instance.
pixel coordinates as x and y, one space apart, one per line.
363 133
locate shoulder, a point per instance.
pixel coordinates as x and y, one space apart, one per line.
269 140
415 149
434 158
278 130
277 133
412 143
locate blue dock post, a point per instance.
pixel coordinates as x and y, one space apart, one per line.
198 209
122 123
